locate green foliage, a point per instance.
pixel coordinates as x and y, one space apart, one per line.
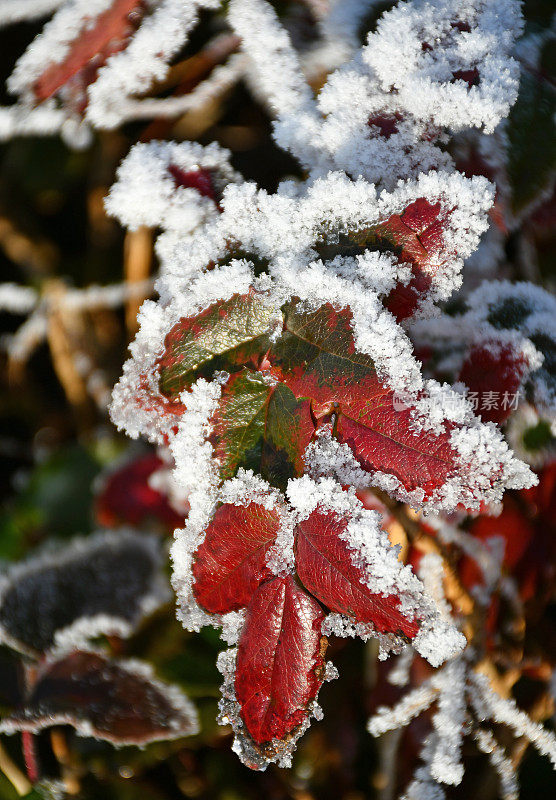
532 132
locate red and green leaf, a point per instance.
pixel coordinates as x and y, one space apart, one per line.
413 237
109 34
317 358
231 561
225 336
280 664
326 568
261 426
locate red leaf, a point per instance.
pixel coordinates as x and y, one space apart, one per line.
381 438
317 358
114 701
495 368
420 215
280 661
418 233
231 561
470 76
325 566
127 497
400 237
199 179
386 123
95 44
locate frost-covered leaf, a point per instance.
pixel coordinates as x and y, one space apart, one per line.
345 558
94 44
501 345
222 337
117 701
200 179
261 426
232 560
327 567
95 60
383 439
414 237
171 185
101 585
280 666
317 358
448 63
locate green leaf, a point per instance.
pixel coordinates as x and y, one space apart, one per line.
262 427
225 336
532 132
57 499
538 436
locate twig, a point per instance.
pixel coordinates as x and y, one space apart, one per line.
13 773
63 754
30 756
138 249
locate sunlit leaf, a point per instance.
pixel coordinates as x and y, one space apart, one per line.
280 659
222 337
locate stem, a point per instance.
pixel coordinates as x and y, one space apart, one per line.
30 756
70 770
13 773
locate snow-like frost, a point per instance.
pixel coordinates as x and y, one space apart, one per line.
145 192
429 51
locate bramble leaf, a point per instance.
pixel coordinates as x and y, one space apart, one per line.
199 179
104 584
224 336
485 367
317 358
413 237
231 561
117 701
261 426
280 661
325 565
126 497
